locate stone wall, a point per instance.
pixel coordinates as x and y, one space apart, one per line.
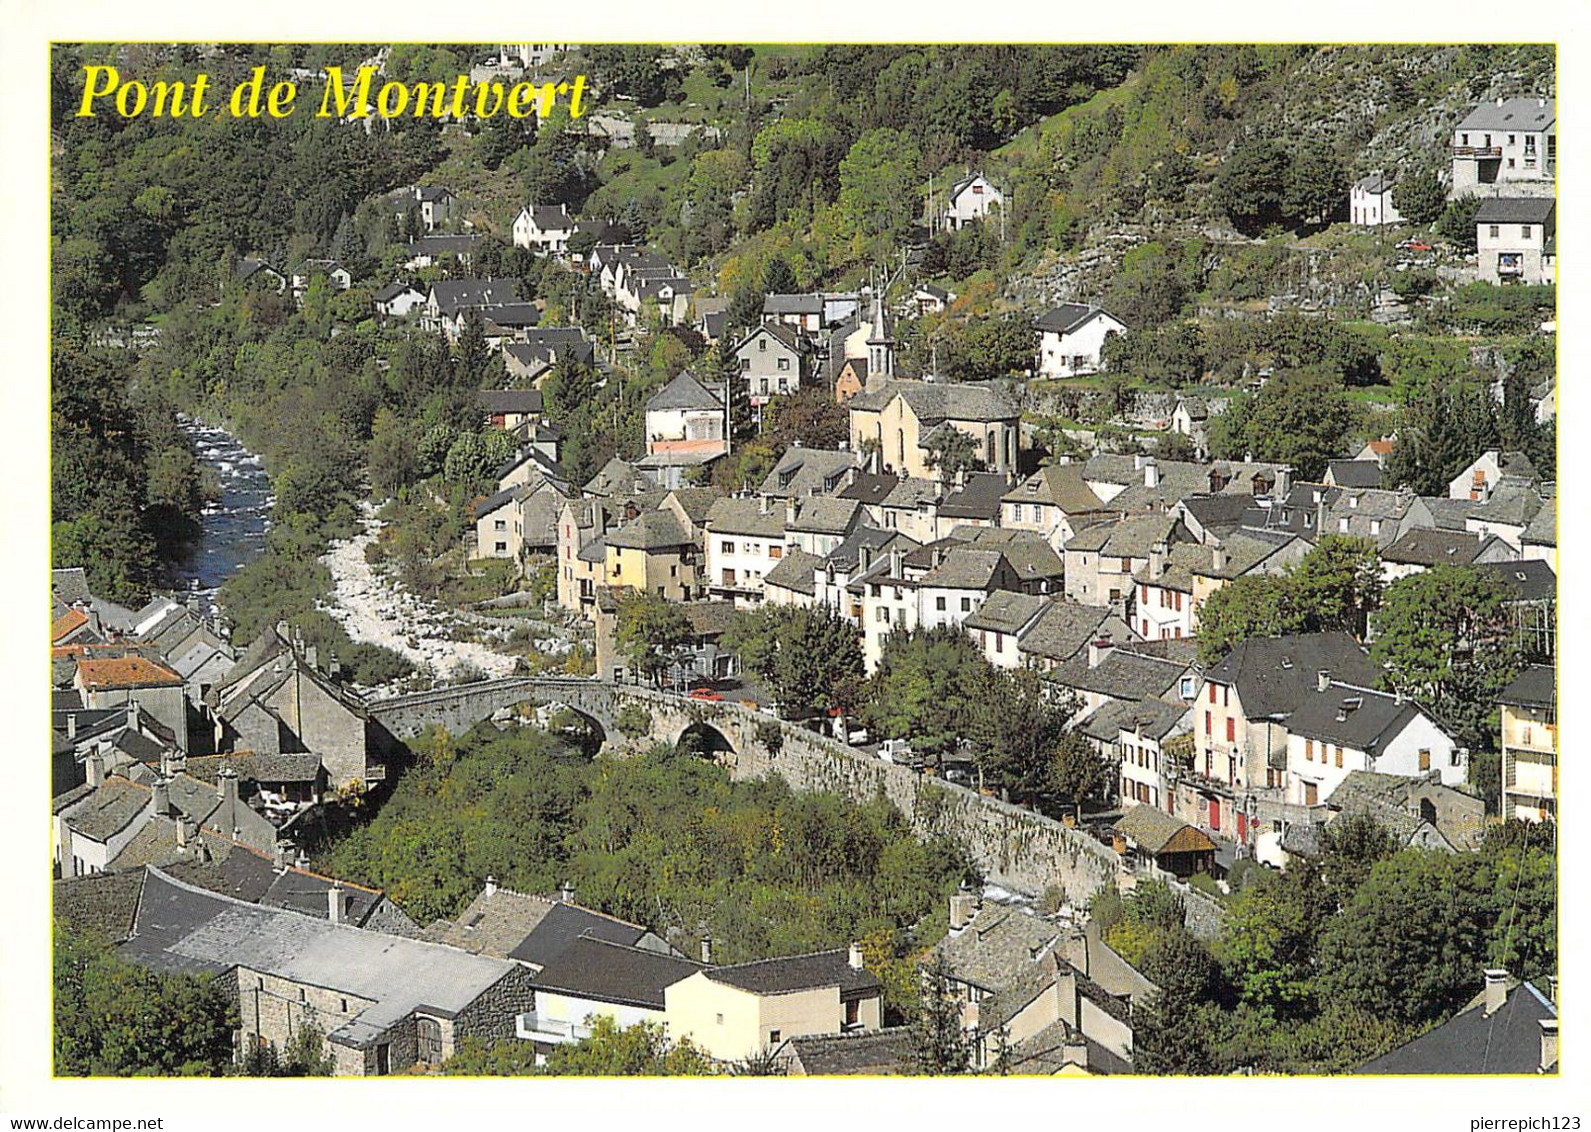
491 1016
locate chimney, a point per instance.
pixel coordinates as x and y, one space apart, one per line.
1074 1051
864 557
566 893
169 763
186 832
1496 989
854 958
1151 472
162 792
707 949
1541 102
1552 989
1157 560
962 905
279 856
1218 559
94 767
229 787
1138 461
1284 481
1499 100
790 512
134 715
1098 649
334 902
1322 680
71 725
312 656
896 557
491 886
765 504
1549 1044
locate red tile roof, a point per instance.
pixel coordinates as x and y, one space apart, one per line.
66 623
125 672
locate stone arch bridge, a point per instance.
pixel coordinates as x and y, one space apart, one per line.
1011 846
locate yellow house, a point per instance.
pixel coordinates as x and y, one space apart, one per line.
736 1011
653 553
905 422
1530 745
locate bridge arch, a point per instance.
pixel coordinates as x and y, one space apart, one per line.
706 740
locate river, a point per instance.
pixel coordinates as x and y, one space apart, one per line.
232 528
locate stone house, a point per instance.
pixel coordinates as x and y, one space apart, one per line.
107 682
774 359
902 423
1370 203
384 1003
1055 501
736 1011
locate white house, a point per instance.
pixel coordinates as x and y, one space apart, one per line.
1071 338
744 539
1341 728
398 300
971 198
544 229
1476 482
686 416
1510 141
1370 202
1516 240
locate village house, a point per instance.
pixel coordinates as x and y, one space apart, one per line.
1064 629
1421 812
1370 203
1241 723
974 501
383 1002
1516 240
449 300
817 524
803 472
744 540
1486 471
1102 559
653 553
336 276
774 360
912 508
1108 672
999 624
1539 540
863 1053
156 690
801 313
1241 553
794 581
970 200
1072 339
1502 145
595 977
831 581
1530 745
398 300
1508 511
541 348
907 423
437 251
254 272
929 298
435 204
686 427
1134 737
1419 550
1055 501
1353 473
507 409
1010 974
544 229
1340 727
737 1011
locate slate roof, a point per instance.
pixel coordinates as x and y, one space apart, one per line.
935 402
1131 537
1273 674
527 401
1063 628
70 584
1426 547
798 972
997 947
616 478
794 572
1066 318
793 304
1355 473
1153 719
1122 675
711 618
103 903
454 294
1523 114
561 924
1332 717
1513 502
1507 1041
180 928
870 487
1217 514
650 530
1543 529
685 392
1516 210
1047 1052
1536 686
495 502
807 471
1006 612
599 969
1028 552
1529 579
1449 514
392 291
109 809
1155 832
966 568
863 1053
745 517
1246 550
1061 485
824 515
978 498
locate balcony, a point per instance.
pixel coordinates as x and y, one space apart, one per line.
1478 152
556 1031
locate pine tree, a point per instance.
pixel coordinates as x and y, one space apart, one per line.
940 1046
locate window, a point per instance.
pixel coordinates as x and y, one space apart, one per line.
1425 759
939 604
720 1019
502 548
763 386
1524 231
1494 231
776 551
745 364
1212 693
966 605
1311 794
1309 750
784 364
762 345
1463 139
773 1037
853 1013
1339 756
1510 139
343 1005
726 547
1143 594
499 525
883 615
999 642
1126 565
1231 729
1206 723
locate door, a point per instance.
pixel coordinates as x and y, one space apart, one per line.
430 1040
1215 814
1242 826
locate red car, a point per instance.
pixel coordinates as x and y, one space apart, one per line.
705 694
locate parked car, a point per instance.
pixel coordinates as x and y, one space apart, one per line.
895 751
705 694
